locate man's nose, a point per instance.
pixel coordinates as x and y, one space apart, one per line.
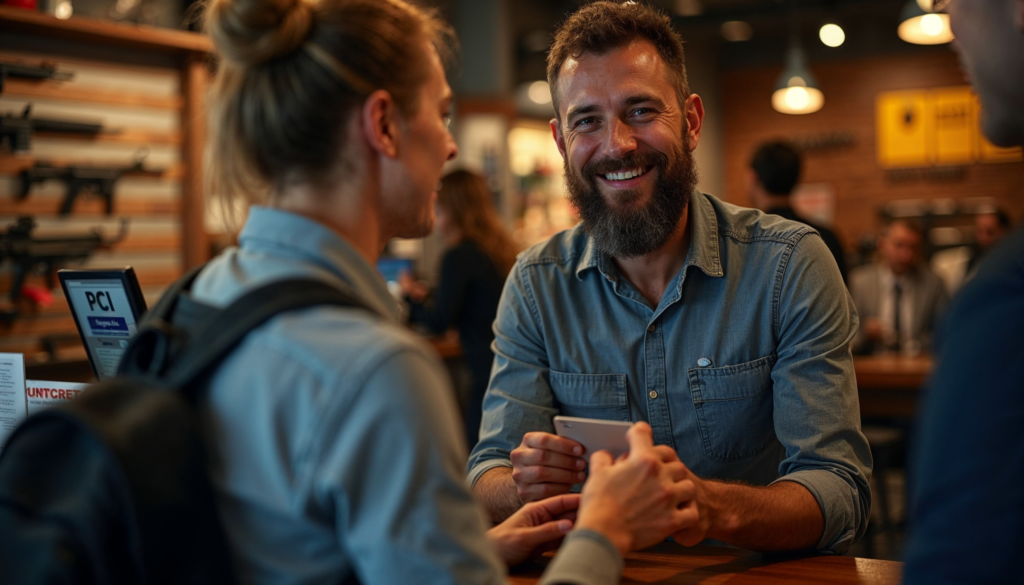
620 139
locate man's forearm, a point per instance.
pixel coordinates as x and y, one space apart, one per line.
783 516
497 492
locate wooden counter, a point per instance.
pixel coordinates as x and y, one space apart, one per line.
890 385
670 563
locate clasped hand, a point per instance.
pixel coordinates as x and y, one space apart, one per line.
636 501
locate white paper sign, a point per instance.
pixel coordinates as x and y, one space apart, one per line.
42 393
12 392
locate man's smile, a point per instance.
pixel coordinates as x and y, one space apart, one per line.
625 178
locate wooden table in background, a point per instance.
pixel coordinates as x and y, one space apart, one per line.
669 563
890 385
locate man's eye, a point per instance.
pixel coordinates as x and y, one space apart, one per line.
642 111
584 123
447 117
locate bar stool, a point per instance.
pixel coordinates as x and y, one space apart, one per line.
887 443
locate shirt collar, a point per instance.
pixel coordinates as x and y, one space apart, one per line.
703 253
294 235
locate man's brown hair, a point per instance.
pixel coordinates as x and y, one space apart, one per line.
603 26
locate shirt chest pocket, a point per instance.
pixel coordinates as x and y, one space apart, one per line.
734 406
600 396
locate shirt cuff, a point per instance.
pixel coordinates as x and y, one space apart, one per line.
484 467
838 507
585 558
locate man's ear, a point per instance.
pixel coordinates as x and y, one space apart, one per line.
379 121
556 133
694 112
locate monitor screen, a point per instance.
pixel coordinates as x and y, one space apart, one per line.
107 305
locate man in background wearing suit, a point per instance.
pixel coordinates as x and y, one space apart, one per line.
899 298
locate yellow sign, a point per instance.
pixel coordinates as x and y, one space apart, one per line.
956 126
901 125
939 126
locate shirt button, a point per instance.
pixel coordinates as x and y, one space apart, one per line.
652 394
703 362
651 328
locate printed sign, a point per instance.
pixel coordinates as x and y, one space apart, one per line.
12 392
934 127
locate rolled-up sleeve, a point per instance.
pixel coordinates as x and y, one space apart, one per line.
518 398
816 407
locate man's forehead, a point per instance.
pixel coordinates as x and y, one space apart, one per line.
620 72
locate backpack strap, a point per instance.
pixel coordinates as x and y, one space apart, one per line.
163 308
219 337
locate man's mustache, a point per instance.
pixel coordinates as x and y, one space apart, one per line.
633 161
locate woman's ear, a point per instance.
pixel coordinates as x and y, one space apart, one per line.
379 118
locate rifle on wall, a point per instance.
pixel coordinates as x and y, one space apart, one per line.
18 130
44 70
98 180
44 256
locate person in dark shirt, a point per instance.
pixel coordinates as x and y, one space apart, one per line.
774 172
481 252
966 506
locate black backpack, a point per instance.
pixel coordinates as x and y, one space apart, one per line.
112 487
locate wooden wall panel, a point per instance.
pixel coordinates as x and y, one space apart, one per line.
140 108
860 183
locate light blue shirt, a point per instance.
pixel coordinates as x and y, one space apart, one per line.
336 450
744 367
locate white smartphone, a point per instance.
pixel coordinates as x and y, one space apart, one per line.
594 434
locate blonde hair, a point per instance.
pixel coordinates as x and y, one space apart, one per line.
293 73
467 199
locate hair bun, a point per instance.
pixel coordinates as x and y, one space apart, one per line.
252 32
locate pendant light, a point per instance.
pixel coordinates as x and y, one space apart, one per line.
923 27
796 89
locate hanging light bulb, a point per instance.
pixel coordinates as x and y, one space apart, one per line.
923 27
832 35
796 90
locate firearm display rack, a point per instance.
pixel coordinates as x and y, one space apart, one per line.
145 87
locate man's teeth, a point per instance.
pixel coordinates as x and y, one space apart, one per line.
623 175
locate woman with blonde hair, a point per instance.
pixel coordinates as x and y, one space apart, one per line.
480 255
334 450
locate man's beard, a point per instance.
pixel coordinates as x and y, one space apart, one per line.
638 229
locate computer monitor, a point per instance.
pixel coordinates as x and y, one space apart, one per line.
107 305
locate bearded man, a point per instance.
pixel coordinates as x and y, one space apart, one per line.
726 329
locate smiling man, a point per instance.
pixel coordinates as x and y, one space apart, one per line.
726 329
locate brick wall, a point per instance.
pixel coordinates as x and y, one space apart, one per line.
860 183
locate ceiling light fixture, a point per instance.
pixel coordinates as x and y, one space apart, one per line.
796 89
832 35
923 27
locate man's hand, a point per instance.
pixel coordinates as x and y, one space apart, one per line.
535 528
546 465
640 499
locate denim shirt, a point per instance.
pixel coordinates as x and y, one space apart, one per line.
744 367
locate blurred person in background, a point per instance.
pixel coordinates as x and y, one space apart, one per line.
473 270
333 433
773 174
966 500
958 265
989 229
898 298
